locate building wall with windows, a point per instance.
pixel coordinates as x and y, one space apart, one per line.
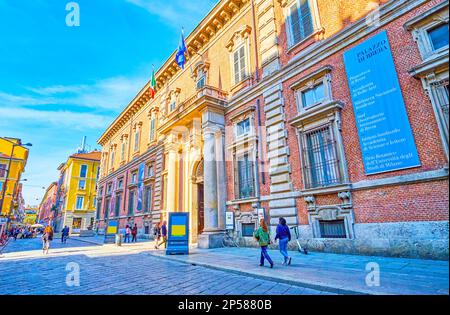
78 191
45 213
261 118
10 181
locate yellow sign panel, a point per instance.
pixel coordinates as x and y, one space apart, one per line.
112 230
178 230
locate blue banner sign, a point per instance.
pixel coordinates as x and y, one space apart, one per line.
178 238
384 131
140 188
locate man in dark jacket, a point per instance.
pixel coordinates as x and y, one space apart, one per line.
284 235
65 234
163 235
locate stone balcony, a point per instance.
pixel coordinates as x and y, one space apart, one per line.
206 97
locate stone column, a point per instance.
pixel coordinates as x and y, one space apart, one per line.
210 180
171 179
213 125
221 178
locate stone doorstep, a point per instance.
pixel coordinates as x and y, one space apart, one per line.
280 279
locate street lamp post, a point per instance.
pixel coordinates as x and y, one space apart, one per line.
5 184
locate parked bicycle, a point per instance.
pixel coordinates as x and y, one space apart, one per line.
301 249
228 240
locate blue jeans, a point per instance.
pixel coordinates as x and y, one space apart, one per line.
283 248
265 255
127 238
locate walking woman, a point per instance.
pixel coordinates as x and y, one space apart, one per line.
284 235
47 237
263 237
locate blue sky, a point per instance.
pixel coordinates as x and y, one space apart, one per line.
60 83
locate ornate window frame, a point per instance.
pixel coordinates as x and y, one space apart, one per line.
321 76
434 70
240 39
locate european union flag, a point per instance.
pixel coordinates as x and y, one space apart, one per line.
181 54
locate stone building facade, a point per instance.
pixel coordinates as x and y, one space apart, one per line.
262 122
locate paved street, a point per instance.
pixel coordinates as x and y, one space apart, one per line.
128 270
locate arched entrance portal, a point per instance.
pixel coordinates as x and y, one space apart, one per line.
198 215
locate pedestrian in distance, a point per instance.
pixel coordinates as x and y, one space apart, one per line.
157 234
65 234
262 235
46 239
284 237
127 234
134 232
163 235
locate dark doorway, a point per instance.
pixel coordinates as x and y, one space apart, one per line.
201 209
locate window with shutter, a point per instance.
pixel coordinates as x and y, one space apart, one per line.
240 65
300 21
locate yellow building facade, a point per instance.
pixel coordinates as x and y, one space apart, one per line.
78 191
13 156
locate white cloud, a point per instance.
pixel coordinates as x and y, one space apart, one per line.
109 94
61 118
176 13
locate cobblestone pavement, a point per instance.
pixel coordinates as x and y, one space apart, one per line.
128 270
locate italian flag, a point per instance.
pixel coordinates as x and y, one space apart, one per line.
153 84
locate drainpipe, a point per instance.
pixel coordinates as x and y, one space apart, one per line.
255 39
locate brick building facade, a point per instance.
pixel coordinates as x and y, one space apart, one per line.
263 118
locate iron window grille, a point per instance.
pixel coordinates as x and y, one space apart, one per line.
321 165
131 203
441 90
117 205
245 177
107 205
332 229
148 199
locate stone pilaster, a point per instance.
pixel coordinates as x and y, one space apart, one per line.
268 38
281 204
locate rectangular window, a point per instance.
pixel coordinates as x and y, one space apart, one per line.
131 202
113 154
136 141
117 205
134 178
82 184
332 229
83 171
120 184
107 209
321 165
439 36
243 127
248 229
152 129
148 199
3 170
201 81
172 106
76 225
151 171
122 152
240 65
245 177
109 189
99 208
313 96
80 202
300 21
